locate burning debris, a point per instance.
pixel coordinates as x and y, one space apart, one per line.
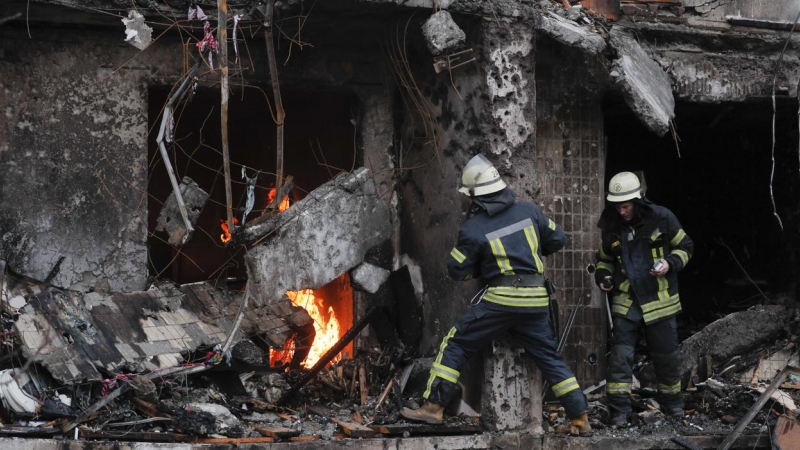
154 362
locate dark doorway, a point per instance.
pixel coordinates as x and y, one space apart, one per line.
319 143
719 188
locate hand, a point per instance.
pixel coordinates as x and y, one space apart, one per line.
607 285
662 271
606 289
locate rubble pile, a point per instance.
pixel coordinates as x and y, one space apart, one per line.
729 365
65 369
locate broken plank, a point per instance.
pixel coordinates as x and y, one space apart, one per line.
362 384
134 436
234 441
148 408
355 430
312 437
385 393
424 429
277 432
257 404
28 431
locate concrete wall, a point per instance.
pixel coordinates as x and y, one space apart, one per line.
73 144
73 140
532 108
492 113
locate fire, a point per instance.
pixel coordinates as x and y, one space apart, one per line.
325 324
284 203
278 357
226 235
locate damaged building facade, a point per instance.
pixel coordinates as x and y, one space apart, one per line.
381 105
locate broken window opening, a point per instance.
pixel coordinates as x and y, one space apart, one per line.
319 144
719 188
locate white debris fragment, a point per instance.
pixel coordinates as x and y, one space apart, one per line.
370 277
17 302
137 33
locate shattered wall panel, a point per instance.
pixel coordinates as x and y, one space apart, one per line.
774 10
320 237
78 337
715 78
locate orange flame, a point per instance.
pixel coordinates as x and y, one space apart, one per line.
325 324
278 357
226 235
284 203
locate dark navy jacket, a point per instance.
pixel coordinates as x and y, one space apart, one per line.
627 253
510 241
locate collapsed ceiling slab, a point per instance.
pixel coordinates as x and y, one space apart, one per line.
647 89
569 33
318 239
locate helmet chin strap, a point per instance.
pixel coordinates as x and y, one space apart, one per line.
474 183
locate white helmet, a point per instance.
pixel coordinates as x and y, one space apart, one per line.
480 178
624 186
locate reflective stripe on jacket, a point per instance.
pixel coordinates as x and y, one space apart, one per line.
509 242
628 253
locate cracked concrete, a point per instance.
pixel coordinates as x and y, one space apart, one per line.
645 86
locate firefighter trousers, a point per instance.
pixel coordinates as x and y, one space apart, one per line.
486 321
662 344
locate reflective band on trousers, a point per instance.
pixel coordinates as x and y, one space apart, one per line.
669 389
618 388
438 361
565 387
445 372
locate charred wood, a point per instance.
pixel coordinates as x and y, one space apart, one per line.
330 354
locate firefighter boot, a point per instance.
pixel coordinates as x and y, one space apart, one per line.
672 405
617 418
429 412
578 426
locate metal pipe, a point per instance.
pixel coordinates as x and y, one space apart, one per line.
165 117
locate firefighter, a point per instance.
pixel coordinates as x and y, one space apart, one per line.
503 242
643 247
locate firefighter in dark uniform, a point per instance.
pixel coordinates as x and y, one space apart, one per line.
642 250
503 242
